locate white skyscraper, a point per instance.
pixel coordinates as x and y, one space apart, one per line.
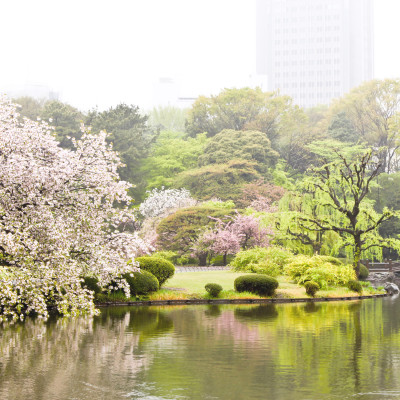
315 50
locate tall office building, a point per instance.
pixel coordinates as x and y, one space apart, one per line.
315 50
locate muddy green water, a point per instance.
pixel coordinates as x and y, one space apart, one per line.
340 350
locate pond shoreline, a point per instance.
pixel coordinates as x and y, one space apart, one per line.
236 301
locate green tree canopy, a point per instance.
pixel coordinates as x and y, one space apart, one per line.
179 232
168 118
130 136
66 120
171 154
223 181
370 110
247 145
342 187
241 109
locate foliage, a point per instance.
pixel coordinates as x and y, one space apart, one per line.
215 203
160 202
219 260
345 185
168 118
168 255
66 121
363 274
224 181
311 288
241 109
130 137
260 195
29 107
141 282
255 283
246 145
171 154
371 111
316 268
162 269
355 286
214 289
58 218
269 261
228 237
91 283
179 231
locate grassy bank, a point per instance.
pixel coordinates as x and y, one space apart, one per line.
190 285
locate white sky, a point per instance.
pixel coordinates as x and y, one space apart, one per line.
103 52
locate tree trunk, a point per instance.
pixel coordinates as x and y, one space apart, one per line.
203 259
357 254
224 259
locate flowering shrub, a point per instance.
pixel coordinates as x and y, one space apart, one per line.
57 218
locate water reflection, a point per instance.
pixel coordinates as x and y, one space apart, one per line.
303 351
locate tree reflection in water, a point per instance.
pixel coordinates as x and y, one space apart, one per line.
324 350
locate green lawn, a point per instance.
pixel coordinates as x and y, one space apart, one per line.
194 282
190 285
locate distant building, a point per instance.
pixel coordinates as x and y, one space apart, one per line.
315 50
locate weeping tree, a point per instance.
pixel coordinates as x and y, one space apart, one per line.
291 232
341 186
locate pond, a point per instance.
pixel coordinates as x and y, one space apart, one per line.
339 350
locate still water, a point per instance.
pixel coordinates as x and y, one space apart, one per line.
340 350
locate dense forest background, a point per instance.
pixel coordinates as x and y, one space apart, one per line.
245 145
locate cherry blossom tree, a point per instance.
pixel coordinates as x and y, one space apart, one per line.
58 220
247 228
243 231
161 202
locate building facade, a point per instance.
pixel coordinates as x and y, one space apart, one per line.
315 50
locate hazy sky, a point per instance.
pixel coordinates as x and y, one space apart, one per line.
97 52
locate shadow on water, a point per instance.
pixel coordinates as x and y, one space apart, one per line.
213 310
260 313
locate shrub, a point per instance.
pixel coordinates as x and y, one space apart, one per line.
141 282
354 286
256 283
162 269
219 260
214 289
91 283
261 260
187 260
311 288
305 268
363 272
171 256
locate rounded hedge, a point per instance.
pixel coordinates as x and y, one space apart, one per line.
262 285
162 269
364 272
214 289
311 288
141 282
91 283
355 286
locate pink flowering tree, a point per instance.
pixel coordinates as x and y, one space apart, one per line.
58 220
242 232
247 228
